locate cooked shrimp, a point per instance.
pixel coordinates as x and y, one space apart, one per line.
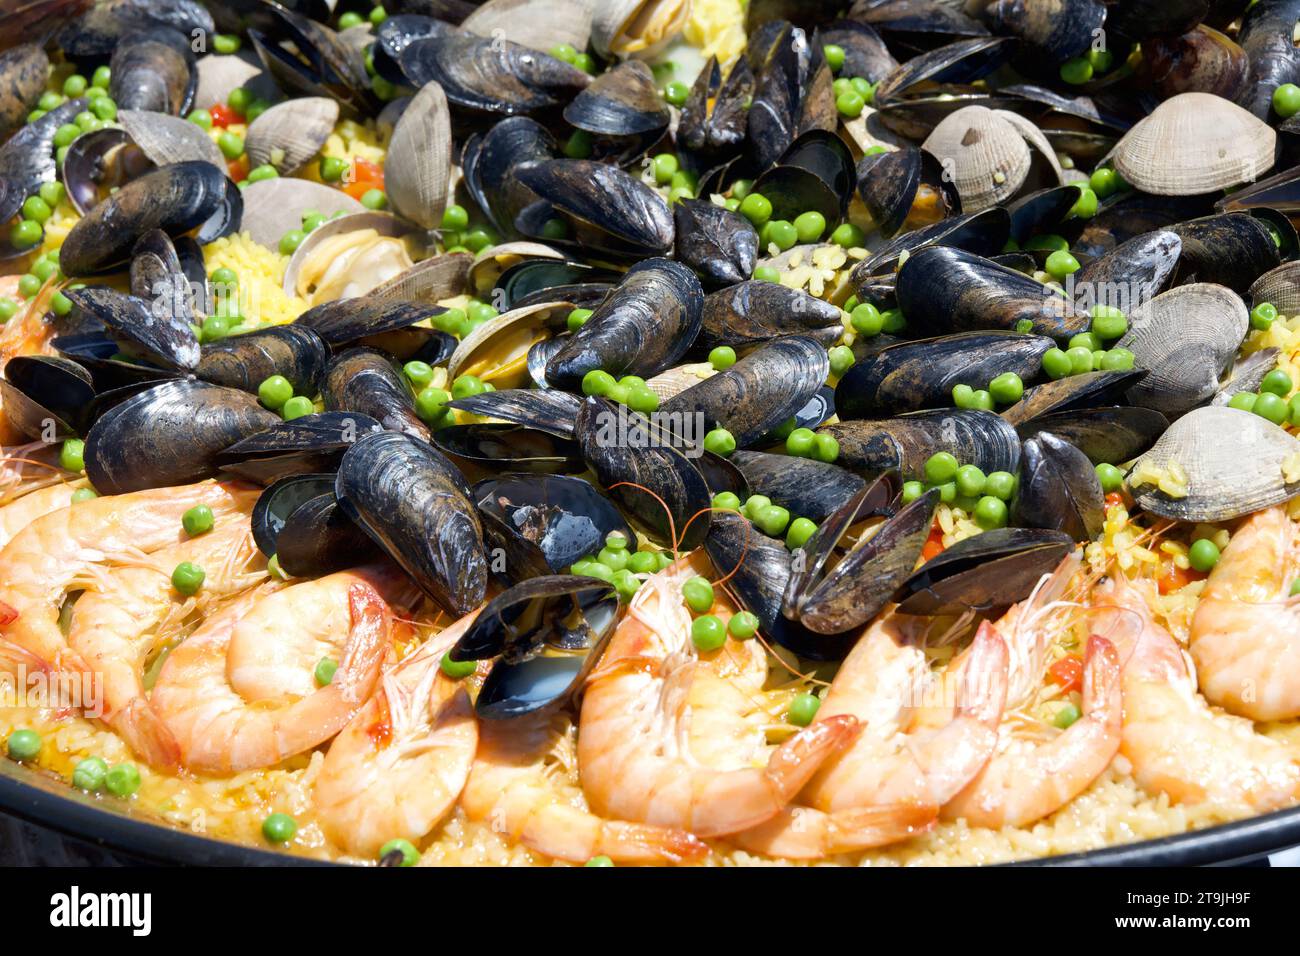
510 786
1245 634
21 512
26 468
1177 745
38 567
398 766
890 784
127 613
637 753
218 731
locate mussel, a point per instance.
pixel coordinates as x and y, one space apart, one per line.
871 447
1059 489
366 381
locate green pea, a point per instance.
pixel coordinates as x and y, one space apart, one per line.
35 115
1080 359
476 240
744 625
290 241
867 320
187 578
1117 360
1075 71
757 209
810 226
894 321
850 104
800 443
74 86
579 145
708 633
297 407
1066 716
848 236
767 274
842 359
1101 60
36 209
28 285
825 448
350 19
940 467
864 87
24 234
612 558
1007 388
332 168
122 780
755 504
780 233
676 93
643 562
1271 407
1263 316
198 520
457 670
912 490
1110 477
1061 264
1085 207
279 828
640 398
772 520
72 455
8 309
373 199
1244 401
722 357
1293 410
1056 364
991 512
665 166
1278 382
275 391
378 15
1108 323
578 318
201 119
1203 555
1103 182
324 671
104 108
970 481
698 594
24 745
803 709
599 861
720 442
408 854
834 56
1295 587
83 494
49 101
1085 340
798 533
466 386
89 774
101 77
598 382
226 43
52 193
726 501
45 270
431 404
454 321
1286 100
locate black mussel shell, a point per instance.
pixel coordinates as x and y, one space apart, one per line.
984 233
414 503
394 35
720 245
27 158
99 162
714 118
169 434
1232 249
99 29
780 61
489 162
280 500
758 393
158 277
1132 273
501 445
921 374
641 466
46 397
990 570
153 71
545 410
150 329
804 487
319 538
366 381
832 597
865 53
622 102
1110 434
377 323
548 280
1043 210
549 633
245 361
1088 390
889 183
752 312
96 351
312 443
813 413
1059 489
962 61
904 442
544 525
643 328
1052 31
316 62
816 173
490 75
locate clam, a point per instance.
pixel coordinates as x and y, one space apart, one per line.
1217 464
219 74
1059 489
348 256
418 168
1280 286
1195 143
490 264
636 28
540 24
290 133
168 139
497 351
874 446
429 281
992 155
1186 338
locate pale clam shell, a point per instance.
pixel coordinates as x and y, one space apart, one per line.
989 154
168 139
429 282
508 331
865 131
1280 286
361 218
540 24
1234 463
289 134
418 167
656 23
1195 143
275 206
491 262
679 379
1186 338
218 74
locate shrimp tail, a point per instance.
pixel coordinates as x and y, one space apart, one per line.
982 681
793 763
803 833
1101 678
367 643
142 728
644 843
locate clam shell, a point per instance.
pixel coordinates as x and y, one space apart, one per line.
1280 286
514 333
418 168
1195 143
290 133
540 24
679 379
1234 463
988 153
354 219
428 282
1186 338
489 264
169 139
219 74
636 28
273 207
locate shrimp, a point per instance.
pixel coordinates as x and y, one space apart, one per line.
1176 744
890 784
639 756
21 512
218 731
127 612
1245 634
39 566
398 766
27 468
510 787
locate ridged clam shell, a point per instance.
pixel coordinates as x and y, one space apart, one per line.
988 153
540 24
636 28
290 133
169 139
418 168
1280 286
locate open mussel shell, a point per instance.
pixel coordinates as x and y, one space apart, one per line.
177 199
942 289
983 233
44 393
1110 434
245 361
545 410
1059 489
815 173
95 33
871 447
319 538
1195 143
804 487
644 326
153 71
159 278
720 245
990 570
758 393
169 434
151 329
1266 35
1088 390
961 61
288 134
534 283
757 569
27 157
609 210
752 312
1234 463
545 524
489 161
641 466
547 632
374 322
308 58
1053 31
1186 338
486 75
921 374
497 445
622 103
1041 211
282 499
494 262
895 184
714 118
414 503
831 596
1131 273
366 381
100 161
312 443
1234 249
